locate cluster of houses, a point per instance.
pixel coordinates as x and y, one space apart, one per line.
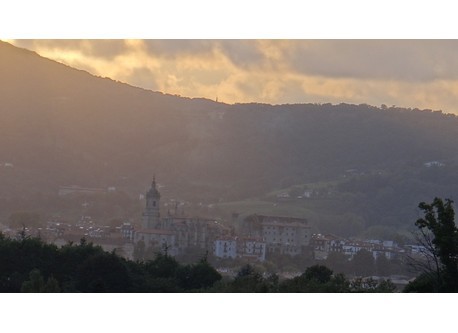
259 237
323 245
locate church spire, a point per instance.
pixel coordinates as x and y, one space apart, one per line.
153 191
151 215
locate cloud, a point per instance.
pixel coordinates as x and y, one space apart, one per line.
410 73
108 48
143 77
176 48
99 48
405 60
242 53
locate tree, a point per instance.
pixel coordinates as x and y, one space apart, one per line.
316 279
438 235
362 263
249 280
197 276
103 272
338 262
139 251
369 285
51 286
319 273
36 284
383 266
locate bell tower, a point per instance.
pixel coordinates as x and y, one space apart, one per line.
151 215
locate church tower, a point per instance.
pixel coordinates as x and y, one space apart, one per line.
151 216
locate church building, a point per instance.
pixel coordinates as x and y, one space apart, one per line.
175 233
151 234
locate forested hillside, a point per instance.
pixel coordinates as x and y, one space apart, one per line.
61 126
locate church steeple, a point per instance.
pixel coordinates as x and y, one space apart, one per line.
153 191
151 216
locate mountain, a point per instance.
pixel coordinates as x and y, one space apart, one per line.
61 126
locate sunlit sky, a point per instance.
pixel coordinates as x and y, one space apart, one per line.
407 73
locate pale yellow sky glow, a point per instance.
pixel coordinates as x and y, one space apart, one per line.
408 73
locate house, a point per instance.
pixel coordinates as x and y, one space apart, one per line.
284 196
377 248
324 244
433 164
350 248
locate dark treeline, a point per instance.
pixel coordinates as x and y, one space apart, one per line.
31 265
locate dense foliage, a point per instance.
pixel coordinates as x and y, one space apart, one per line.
30 265
439 237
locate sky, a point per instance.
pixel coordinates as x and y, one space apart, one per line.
413 73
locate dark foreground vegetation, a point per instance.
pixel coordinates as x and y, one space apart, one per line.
438 235
30 265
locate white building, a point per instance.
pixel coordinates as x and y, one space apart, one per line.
252 248
127 231
225 248
285 235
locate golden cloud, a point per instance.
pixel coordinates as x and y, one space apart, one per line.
421 74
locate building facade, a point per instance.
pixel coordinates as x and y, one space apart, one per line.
252 248
281 234
175 233
225 248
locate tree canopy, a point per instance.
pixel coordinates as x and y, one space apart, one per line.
439 238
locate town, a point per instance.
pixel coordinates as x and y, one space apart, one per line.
261 237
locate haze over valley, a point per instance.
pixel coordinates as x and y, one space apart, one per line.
361 167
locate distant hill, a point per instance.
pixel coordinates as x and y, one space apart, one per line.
62 126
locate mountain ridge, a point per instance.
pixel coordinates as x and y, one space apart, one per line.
63 126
